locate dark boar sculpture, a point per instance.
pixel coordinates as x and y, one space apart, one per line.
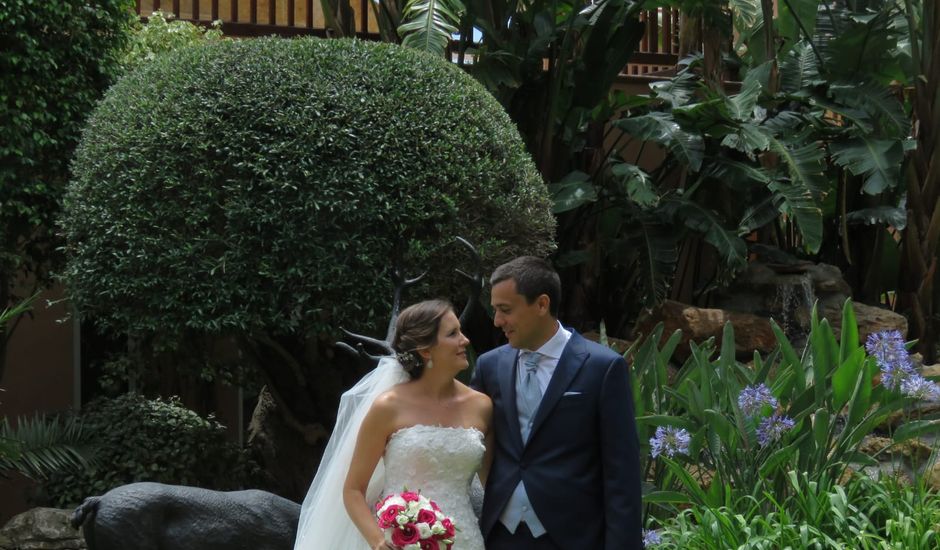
154 516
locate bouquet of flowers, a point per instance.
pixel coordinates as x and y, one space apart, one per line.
414 522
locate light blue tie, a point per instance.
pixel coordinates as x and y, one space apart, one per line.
530 395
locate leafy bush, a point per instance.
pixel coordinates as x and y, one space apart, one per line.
58 57
162 34
151 440
265 185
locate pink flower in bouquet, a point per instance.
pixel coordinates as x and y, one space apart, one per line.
381 503
406 534
449 529
388 516
411 520
426 516
410 496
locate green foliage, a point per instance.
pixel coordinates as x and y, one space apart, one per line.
151 440
161 34
865 514
429 24
58 56
740 488
266 186
40 446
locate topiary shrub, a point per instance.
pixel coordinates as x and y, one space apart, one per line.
138 439
264 184
260 190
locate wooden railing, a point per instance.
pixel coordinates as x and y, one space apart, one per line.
657 52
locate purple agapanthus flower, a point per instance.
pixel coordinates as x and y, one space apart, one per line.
753 398
887 347
772 428
918 387
670 441
651 538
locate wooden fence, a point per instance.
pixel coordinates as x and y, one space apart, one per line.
657 52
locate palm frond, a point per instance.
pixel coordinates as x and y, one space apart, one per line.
429 25
41 445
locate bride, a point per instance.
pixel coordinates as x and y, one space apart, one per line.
409 424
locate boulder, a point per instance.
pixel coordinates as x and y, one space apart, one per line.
751 332
41 529
871 319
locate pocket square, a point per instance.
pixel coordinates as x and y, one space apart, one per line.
571 393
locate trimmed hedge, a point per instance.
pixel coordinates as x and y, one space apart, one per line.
265 184
56 59
138 439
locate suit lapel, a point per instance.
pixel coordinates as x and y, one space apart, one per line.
568 366
508 363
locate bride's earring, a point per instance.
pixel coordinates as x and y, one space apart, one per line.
430 364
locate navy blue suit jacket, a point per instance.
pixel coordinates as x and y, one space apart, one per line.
581 465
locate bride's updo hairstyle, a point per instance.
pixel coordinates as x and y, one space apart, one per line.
416 329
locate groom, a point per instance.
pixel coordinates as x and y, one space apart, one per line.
566 470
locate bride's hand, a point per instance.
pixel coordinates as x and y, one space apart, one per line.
384 545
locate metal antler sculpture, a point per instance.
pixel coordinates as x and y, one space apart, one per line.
384 347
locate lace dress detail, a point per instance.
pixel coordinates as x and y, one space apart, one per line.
440 462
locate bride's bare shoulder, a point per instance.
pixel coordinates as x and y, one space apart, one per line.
473 396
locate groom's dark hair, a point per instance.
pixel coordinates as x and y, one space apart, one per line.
534 277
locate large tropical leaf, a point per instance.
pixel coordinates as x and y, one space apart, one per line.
635 183
742 104
661 128
800 68
799 204
796 19
697 217
41 445
573 191
878 101
614 32
864 49
893 216
649 252
805 188
429 25
878 160
678 90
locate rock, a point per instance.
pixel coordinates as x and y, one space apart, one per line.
617 344
41 529
870 319
916 450
873 445
751 332
930 371
703 475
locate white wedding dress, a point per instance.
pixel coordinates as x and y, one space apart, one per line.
441 463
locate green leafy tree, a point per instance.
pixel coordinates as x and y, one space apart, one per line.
259 191
57 58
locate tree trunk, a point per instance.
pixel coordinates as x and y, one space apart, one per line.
922 234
